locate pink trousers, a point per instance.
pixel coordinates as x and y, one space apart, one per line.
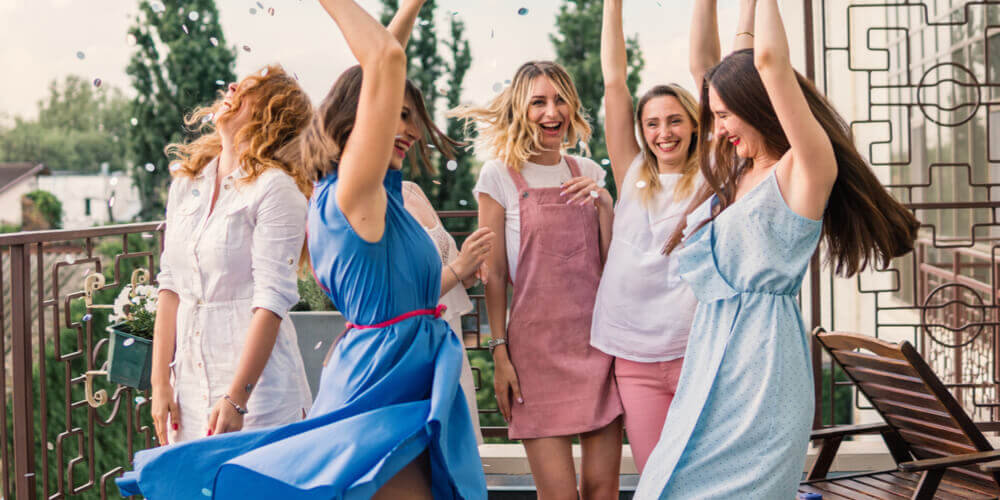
646 390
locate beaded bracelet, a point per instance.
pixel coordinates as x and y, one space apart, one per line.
239 409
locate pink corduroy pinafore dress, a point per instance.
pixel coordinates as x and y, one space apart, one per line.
567 386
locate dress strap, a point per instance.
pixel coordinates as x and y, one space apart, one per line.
574 168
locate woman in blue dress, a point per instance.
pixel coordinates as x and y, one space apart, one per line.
785 175
389 420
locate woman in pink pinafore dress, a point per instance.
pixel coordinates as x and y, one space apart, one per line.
553 220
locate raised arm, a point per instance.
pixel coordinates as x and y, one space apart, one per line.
813 169
743 39
706 50
619 123
366 156
402 23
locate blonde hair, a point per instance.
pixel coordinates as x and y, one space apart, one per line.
650 170
279 111
504 130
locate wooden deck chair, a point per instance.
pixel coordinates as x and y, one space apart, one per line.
936 446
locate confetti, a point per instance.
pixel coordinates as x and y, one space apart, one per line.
452 165
128 342
605 162
207 492
172 363
492 32
497 87
150 167
270 11
130 39
113 181
263 72
51 446
594 194
193 15
139 400
463 202
134 121
640 184
69 259
214 41
260 5
185 28
195 192
253 11
80 55
318 345
246 48
435 181
111 202
147 236
175 167
207 118
523 11
157 7
87 317
220 82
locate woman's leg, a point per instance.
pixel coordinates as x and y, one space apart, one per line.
646 390
600 462
551 462
411 483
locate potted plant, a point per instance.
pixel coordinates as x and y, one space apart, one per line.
130 356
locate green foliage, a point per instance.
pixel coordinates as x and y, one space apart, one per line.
79 127
9 228
843 399
311 297
486 396
173 72
440 80
48 206
577 43
141 324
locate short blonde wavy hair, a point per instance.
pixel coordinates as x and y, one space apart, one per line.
504 130
279 111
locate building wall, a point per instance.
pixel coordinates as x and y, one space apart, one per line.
98 191
10 201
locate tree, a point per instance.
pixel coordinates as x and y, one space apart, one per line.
180 56
78 128
48 207
577 42
452 190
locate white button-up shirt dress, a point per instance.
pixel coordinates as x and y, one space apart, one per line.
225 265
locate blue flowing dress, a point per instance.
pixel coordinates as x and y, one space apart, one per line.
386 394
739 424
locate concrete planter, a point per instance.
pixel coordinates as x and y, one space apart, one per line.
316 330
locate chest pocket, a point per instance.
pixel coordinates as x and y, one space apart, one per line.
237 228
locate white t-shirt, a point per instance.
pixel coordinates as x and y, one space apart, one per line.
495 181
644 309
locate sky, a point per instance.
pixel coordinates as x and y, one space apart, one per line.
40 40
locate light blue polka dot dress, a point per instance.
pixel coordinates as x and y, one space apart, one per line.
739 424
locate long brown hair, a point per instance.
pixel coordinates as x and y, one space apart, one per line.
650 172
331 126
504 130
279 111
862 224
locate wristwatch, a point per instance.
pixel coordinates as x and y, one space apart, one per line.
493 343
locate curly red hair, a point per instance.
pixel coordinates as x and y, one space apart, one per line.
279 111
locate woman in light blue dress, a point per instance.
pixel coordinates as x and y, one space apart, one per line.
389 420
785 175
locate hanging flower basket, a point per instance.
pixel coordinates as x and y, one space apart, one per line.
130 358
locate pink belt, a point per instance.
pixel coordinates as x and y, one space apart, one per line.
436 312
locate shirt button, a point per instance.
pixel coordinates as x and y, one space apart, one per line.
197 333
199 364
225 186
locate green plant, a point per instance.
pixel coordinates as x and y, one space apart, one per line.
48 206
842 400
9 228
312 297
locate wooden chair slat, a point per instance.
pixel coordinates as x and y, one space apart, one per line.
880 391
852 341
889 490
865 488
911 384
913 479
897 408
904 422
830 488
971 479
950 447
881 363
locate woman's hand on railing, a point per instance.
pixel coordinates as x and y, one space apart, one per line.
163 406
505 383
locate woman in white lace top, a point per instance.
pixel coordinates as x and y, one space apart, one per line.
460 269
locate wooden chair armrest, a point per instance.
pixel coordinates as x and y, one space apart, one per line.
993 466
952 461
847 430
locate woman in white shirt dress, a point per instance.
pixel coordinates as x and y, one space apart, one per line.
224 356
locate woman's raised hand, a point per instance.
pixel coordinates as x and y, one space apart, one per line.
474 252
584 190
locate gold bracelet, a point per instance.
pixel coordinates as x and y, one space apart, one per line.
747 33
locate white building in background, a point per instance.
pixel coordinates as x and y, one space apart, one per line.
93 199
17 180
